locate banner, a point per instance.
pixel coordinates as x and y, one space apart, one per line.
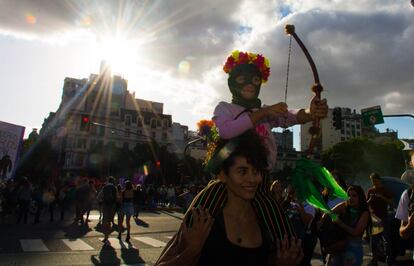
11 139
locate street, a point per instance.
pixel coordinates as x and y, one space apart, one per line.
64 243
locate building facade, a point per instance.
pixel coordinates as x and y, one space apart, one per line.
284 140
351 128
101 111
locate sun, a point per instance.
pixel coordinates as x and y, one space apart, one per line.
120 53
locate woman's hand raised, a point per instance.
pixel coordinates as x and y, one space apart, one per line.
196 235
289 252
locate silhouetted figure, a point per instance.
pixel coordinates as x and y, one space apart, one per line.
6 166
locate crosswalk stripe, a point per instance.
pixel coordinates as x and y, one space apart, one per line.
316 262
151 241
95 217
119 244
34 245
77 244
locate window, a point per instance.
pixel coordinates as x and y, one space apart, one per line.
164 136
127 132
158 123
139 133
69 143
101 131
68 159
92 143
127 120
153 123
79 159
153 134
79 143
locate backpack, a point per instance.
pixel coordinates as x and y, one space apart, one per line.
109 194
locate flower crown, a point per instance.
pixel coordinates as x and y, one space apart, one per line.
237 58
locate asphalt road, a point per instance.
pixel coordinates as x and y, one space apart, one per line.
64 243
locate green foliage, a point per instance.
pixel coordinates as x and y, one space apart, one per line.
361 156
121 162
38 161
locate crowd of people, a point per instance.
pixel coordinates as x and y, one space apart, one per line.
371 217
26 202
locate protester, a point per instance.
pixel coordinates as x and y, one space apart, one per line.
126 209
379 200
354 219
236 235
49 198
81 200
99 199
63 200
301 220
277 191
37 202
8 200
405 209
91 199
23 200
187 197
139 200
171 196
108 207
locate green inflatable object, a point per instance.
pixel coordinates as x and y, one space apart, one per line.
307 176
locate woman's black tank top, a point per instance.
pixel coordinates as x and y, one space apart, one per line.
218 250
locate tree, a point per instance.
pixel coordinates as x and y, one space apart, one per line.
361 156
38 161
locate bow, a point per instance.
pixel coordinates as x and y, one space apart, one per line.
317 88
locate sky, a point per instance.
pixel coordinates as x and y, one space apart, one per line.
173 52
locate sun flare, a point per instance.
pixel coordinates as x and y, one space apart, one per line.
120 53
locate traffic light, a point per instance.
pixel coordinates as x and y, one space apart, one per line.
84 126
337 118
158 164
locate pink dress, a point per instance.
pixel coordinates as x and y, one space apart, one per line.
229 127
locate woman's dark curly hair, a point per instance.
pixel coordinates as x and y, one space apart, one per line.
363 205
248 145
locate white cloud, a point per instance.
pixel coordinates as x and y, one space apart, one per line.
362 49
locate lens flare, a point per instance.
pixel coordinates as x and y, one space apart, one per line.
184 67
86 21
31 19
145 170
